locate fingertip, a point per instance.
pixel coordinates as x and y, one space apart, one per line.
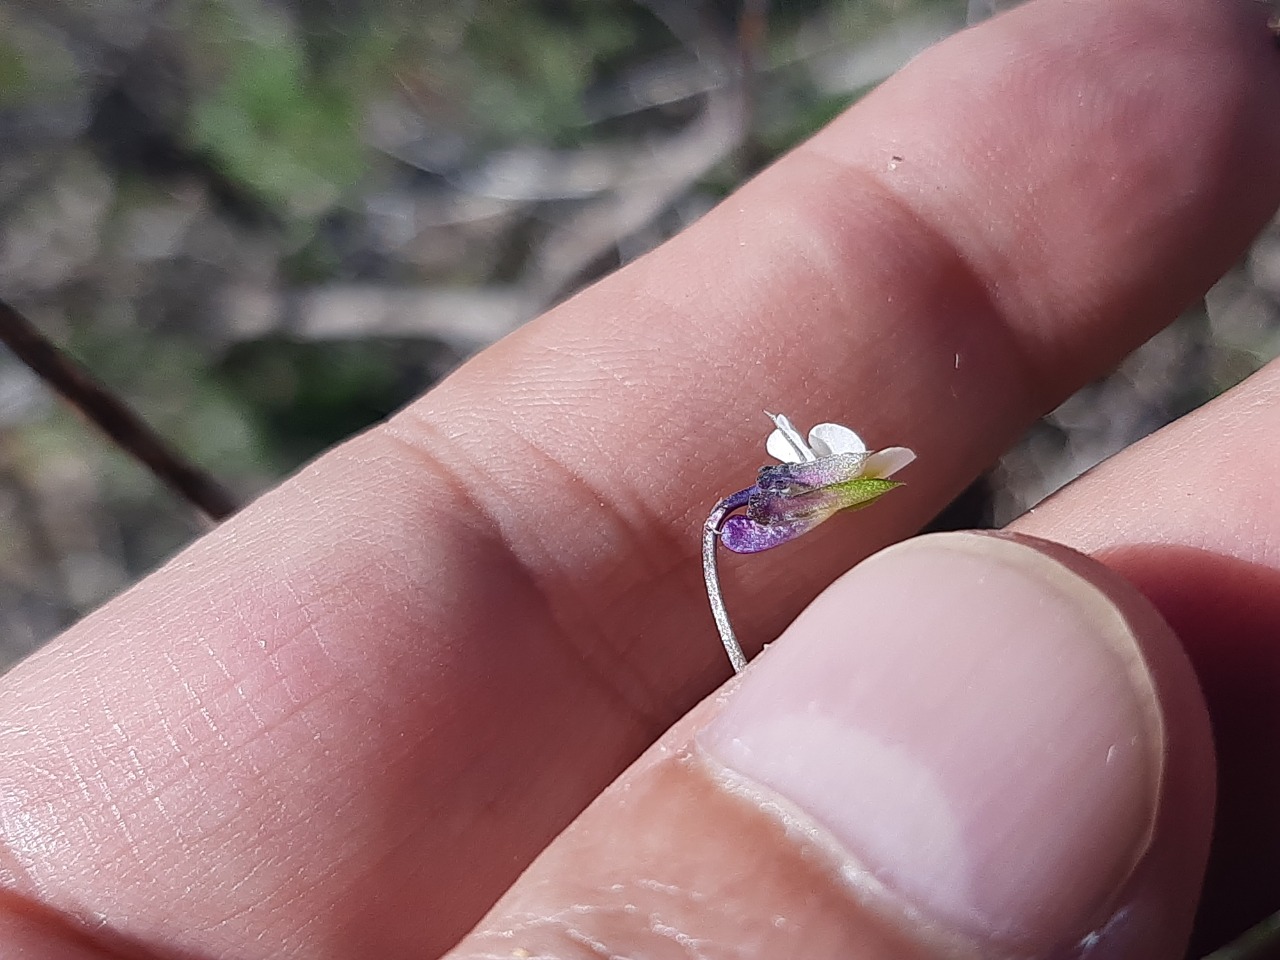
970 745
933 710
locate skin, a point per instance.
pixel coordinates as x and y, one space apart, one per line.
392 681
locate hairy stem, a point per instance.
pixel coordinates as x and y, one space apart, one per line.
710 541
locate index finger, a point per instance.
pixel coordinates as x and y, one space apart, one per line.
391 681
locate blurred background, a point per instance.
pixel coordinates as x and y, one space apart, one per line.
267 224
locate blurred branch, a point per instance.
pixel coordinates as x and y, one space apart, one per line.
660 171
113 416
586 245
753 25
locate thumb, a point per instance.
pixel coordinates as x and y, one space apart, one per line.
968 746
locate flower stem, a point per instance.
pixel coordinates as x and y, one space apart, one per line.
710 540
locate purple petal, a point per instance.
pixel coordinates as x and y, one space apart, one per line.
778 506
744 535
811 473
783 506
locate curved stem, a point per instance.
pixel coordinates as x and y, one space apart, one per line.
710 540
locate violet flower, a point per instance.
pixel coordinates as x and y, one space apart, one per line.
833 471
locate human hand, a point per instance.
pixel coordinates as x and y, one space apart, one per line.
343 724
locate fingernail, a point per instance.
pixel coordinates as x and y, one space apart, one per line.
972 725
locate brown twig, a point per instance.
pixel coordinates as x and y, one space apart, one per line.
753 25
753 29
78 387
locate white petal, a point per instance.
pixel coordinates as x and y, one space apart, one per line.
785 443
829 439
885 463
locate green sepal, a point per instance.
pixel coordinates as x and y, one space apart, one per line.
864 491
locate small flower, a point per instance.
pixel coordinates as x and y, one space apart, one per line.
833 471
